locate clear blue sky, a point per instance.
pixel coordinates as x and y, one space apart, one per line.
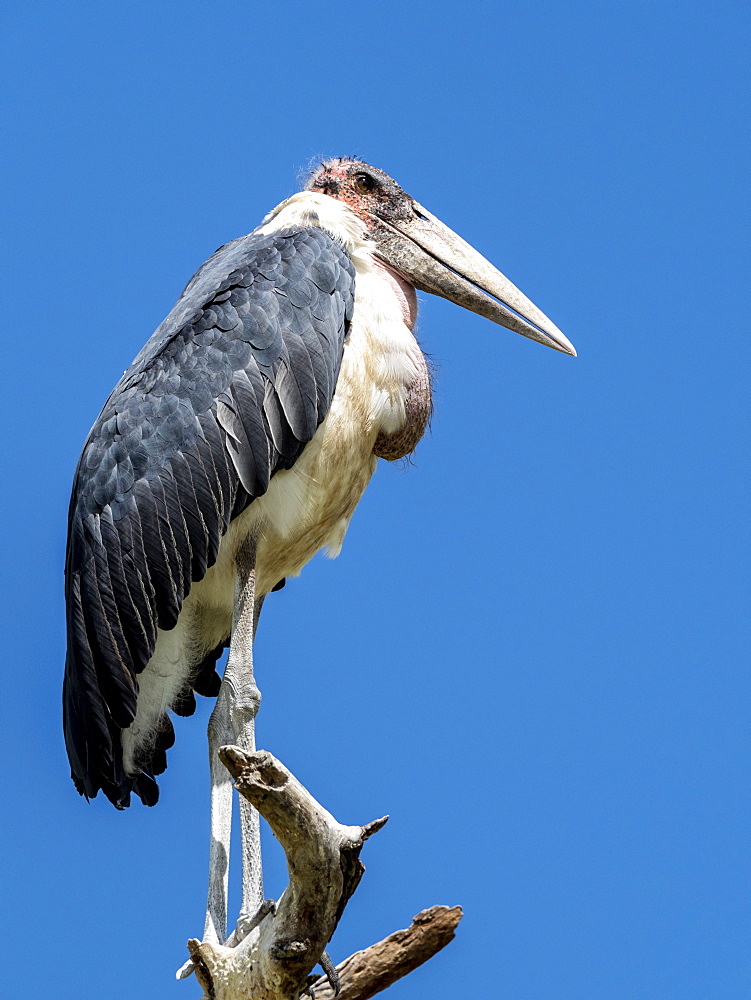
531 652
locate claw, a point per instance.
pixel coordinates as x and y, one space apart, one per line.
331 974
246 924
185 970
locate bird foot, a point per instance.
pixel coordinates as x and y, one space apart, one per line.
245 924
331 974
185 970
248 922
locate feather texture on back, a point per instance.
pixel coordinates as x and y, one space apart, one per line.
227 392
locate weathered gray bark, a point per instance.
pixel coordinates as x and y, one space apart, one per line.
275 960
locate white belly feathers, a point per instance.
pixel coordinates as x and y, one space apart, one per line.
309 506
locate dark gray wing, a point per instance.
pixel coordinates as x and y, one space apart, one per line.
227 391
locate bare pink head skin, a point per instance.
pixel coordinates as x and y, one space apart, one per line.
419 252
370 193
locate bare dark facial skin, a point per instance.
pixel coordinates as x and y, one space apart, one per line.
379 201
368 192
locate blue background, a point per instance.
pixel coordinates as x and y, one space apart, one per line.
531 651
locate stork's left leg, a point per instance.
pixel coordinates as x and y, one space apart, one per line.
233 721
244 701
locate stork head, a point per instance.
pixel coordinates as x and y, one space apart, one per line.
428 254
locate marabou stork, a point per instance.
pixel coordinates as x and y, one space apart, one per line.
234 448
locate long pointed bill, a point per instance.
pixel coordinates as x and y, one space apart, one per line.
434 259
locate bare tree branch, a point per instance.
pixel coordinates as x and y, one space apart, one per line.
373 970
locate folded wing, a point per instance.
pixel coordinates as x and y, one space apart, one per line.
227 392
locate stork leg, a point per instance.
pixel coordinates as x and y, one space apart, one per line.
233 721
253 905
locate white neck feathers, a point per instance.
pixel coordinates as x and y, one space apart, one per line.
309 209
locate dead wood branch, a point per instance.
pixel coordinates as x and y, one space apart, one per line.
374 969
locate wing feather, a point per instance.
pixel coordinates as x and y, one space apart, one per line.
126 584
228 391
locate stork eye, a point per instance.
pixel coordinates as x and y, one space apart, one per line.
364 183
